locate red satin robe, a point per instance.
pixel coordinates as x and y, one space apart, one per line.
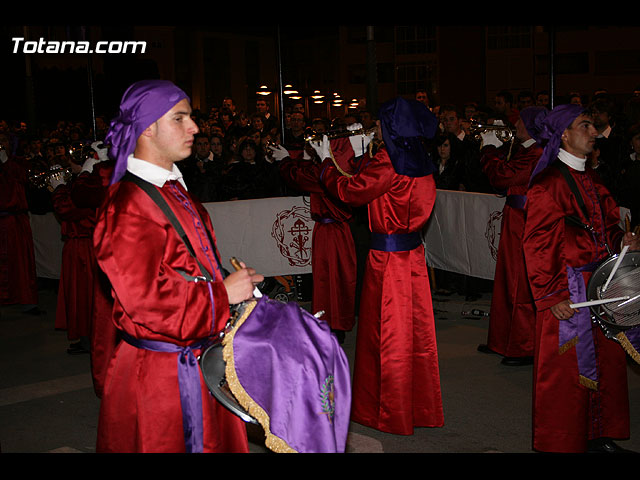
18 279
396 380
513 315
75 293
142 254
333 259
89 191
565 413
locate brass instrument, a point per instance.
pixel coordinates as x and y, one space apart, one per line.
314 136
42 178
503 132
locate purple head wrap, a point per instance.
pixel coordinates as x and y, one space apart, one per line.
404 125
554 124
532 118
142 104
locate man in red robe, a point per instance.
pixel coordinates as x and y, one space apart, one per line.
18 281
333 258
580 393
513 316
396 381
169 301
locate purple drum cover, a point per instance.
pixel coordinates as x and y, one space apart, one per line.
289 371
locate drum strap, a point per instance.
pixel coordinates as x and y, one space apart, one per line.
150 190
576 193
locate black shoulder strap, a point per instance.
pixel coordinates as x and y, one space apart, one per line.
150 190
576 193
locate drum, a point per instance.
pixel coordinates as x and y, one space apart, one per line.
213 365
281 367
623 314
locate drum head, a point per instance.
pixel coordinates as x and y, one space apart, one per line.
213 370
624 283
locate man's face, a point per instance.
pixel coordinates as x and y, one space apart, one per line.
296 122
500 104
580 138
201 147
422 97
228 103
542 100
450 122
261 107
525 102
635 143
172 135
600 119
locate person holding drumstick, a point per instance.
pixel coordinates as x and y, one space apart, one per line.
170 294
580 393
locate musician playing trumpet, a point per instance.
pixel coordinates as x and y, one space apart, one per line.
512 322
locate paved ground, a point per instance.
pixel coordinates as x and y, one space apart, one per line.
47 402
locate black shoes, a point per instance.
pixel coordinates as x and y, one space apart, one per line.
605 445
76 349
517 361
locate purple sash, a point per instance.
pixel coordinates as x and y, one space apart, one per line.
516 201
188 383
577 330
395 242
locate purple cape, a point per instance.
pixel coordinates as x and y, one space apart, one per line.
142 104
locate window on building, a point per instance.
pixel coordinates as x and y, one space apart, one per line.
415 39
414 76
500 37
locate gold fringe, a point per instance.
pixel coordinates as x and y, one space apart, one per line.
338 166
273 442
626 345
568 345
591 384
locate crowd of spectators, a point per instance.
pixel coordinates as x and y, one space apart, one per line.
231 161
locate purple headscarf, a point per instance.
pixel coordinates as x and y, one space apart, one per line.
142 104
553 126
404 125
532 118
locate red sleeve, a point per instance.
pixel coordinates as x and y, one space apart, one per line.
301 174
374 179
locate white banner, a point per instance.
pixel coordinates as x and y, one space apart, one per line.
463 232
273 235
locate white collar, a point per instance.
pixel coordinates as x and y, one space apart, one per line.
574 162
528 143
633 156
153 173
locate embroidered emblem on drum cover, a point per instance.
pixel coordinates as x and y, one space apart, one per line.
492 233
292 231
327 398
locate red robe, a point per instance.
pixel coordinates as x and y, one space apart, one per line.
75 293
89 191
513 315
18 279
566 413
396 382
333 259
142 254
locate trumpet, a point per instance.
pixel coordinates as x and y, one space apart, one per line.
503 132
313 136
42 178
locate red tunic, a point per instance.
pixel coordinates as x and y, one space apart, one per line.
142 254
89 191
75 293
18 280
513 315
566 413
396 383
333 259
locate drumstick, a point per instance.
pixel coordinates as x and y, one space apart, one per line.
627 223
236 264
615 267
598 302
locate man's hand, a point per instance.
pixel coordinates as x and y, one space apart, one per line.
632 240
562 310
240 284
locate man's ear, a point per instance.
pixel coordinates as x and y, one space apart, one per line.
150 130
